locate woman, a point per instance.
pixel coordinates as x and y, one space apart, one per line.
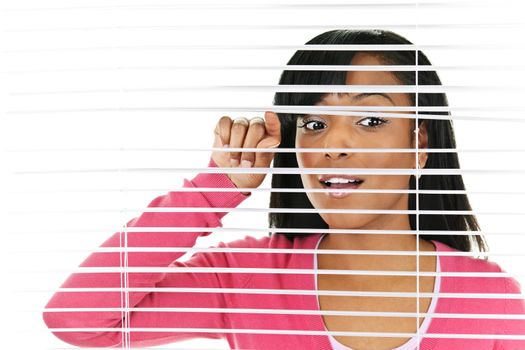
278 309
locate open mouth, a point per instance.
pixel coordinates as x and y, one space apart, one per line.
340 182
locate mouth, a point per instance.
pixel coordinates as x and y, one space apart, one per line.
340 182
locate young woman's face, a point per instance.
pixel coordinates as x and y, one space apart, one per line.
332 131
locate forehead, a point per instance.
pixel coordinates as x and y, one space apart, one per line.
369 77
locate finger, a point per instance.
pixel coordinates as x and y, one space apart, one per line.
237 135
273 125
271 140
255 134
222 130
273 131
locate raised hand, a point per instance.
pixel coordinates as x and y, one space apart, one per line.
244 133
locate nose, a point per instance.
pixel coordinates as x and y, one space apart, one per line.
336 155
338 138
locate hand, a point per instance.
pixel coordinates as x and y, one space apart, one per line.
243 133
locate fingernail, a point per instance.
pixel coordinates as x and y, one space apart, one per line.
226 145
234 162
246 164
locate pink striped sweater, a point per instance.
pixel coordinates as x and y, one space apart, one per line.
287 291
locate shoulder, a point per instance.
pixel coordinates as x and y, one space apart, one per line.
463 263
484 278
275 251
480 276
251 252
273 241
470 274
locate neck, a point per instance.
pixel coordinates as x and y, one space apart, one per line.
377 241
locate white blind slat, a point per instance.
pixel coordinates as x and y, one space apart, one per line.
108 104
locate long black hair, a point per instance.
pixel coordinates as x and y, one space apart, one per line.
440 135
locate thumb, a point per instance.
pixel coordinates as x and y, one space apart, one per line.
272 138
263 159
273 125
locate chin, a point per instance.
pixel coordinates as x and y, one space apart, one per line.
345 221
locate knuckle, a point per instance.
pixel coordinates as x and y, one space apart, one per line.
223 126
257 120
224 122
248 156
224 119
257 128
240 123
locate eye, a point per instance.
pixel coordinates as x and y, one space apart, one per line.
373 122
313 125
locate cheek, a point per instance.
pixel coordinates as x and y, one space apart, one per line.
304 159
386 160
389 161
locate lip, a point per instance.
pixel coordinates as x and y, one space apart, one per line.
342 176
339 195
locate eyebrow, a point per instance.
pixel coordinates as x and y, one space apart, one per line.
367 94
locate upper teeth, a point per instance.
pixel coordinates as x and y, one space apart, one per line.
340 180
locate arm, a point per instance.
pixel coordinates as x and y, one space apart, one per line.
113 299
513 327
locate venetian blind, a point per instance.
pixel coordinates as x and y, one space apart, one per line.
109 104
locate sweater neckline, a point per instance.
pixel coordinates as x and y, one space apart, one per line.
426 343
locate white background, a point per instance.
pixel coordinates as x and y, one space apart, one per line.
70 68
